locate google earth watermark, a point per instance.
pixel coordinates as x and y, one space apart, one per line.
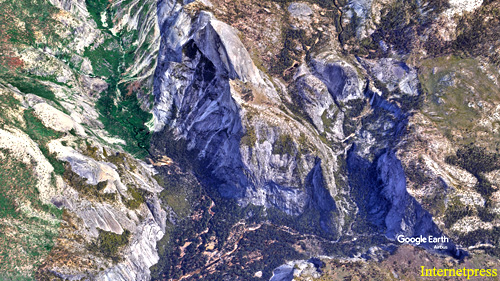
425 239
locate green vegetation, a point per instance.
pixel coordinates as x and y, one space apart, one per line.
290 53
37 17
30 86
8 103
42 136
205 223
95 8
109 244
349 31
119 107
483 235
456 211
186 197
49 78
311 221
105 58
37 131
28 229
137 198
485 214
177 150
401 20
284 145
127 39
275 246
454 88
125 119
395 20
174 194
195 215
249 138
8 178
478 32
484 187
408 102
365 46
58 165
477 161
354 109
28 223
293 38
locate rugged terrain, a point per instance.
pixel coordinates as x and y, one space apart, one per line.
247 140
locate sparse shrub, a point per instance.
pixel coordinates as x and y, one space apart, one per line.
109 243
455 212
284 145
137 198
90 191
92 151
477 161
118 159
485 215
416 173
354 109
249 138
42 135
30 86
125 119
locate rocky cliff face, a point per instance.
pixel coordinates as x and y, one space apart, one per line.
210 93
190 139
347 109
260 151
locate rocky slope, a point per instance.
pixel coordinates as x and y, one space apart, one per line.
85 206
355 109
237 140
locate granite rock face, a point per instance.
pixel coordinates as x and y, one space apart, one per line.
343 127
59 133
299 10
210 94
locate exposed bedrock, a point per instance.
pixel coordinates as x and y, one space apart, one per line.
265 143
210 94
